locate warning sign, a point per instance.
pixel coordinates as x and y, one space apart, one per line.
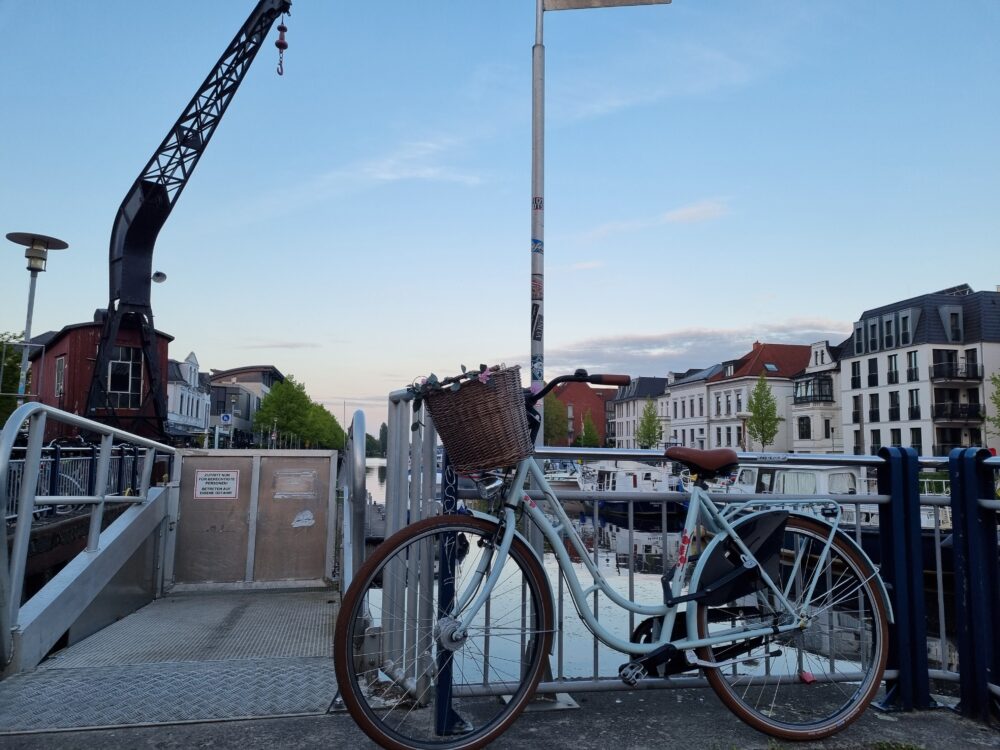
216 485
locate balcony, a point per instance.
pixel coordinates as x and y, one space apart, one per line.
949 410
956 371
893 413
892 377
856 416
873 415
914 412
815 398
855 381
872 379
912 374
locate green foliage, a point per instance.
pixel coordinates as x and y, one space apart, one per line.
383 440
764 421
11 373
589 437
556 420
289 409
372 447
649 431
993 423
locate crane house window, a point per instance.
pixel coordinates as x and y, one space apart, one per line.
125 378
60 375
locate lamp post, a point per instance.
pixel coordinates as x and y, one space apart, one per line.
37 253
537 329
232 425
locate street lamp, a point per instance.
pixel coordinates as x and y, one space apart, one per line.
232 424
37 253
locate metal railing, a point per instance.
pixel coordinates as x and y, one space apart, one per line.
99 492
70 471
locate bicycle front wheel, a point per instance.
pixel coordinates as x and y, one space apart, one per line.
404 679
815 680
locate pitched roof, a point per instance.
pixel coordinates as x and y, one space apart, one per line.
771 360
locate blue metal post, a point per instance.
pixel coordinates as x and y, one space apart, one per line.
916 618
894 563
54 470
975 541
447 721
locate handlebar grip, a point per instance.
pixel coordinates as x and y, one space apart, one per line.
609 379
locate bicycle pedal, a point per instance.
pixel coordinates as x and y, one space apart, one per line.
632 672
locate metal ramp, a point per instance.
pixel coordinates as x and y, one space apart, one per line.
185 658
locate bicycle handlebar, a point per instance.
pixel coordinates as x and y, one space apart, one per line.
580 376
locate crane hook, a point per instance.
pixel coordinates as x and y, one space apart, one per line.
282 45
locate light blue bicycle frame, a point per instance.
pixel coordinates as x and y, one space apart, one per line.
702 510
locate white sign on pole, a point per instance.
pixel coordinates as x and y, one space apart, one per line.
574 4
216 485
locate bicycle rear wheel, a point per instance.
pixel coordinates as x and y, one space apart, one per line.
404 680
811 682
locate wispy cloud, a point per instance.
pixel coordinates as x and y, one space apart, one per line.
705 210
419 160
587 265
280 345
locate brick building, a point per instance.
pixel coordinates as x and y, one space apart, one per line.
581 399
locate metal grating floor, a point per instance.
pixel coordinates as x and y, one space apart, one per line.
187 657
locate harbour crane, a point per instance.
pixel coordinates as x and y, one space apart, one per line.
143 213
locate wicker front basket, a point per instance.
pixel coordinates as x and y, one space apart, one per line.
483 425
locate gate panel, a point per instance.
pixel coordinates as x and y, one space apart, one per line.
292 518
213 524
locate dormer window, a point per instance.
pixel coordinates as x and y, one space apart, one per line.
729 371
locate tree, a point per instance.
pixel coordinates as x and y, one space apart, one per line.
993 423
556 421
649 431
372 447
763 422
289 410
383 440
11 365
589 437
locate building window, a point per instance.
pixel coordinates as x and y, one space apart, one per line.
729 436
718 436
915 440
701 406
125 378
856 409
904 330
856 374
718 406
892 375
683 409
912 373
896 437
887 334
739 400
859 339
675 410
60 376
872 372
876 441
893 406
827 429
739 435
914 403
729 404
805 428
873 415
873 337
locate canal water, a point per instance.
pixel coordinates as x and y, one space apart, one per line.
580 648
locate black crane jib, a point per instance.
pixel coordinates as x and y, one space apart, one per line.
152 196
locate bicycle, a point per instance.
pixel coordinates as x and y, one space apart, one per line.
443 635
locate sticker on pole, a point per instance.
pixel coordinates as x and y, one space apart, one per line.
216 485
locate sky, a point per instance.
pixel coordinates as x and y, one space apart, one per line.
716 173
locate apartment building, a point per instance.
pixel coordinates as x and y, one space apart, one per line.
629 403
915 373
816 403
686 403
188 401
